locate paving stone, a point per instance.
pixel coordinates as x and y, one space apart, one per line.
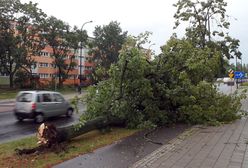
199 158
207 147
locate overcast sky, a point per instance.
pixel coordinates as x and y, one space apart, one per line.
137 16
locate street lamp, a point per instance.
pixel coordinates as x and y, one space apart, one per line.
81 53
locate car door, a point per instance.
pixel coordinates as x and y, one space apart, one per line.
47 105
24 102
60 103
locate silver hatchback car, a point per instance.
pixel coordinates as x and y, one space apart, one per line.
39 105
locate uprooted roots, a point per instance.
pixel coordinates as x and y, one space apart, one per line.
47 140
56 148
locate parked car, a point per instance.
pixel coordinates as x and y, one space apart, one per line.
219 80
39 105
228 80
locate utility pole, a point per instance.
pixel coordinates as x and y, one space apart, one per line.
81 54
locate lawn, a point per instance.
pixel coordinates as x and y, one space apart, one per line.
4 80
77 146
7 94
11 93
244 84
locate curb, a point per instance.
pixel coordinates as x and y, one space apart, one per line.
148 160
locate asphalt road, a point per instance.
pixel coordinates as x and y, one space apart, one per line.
11 129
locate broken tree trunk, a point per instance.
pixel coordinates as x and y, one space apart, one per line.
49 136
69 132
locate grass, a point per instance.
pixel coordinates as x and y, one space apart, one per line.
67 90
77 146
7 94
4 80
11 93
244 84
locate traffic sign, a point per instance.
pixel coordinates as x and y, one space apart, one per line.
231 73
239 75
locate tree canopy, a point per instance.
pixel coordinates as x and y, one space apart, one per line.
178 85
19 35
208 27
62 39
25 30
107 43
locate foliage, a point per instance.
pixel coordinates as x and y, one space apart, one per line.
22 77
181 59
106 46
123 93
237 67
176 86
208 26
18 39
62 40
206 106
24 32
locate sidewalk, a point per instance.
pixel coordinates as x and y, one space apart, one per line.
225 146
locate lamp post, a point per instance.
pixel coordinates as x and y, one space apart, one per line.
81 53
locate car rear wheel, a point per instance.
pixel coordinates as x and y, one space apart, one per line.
69 112
39 118
19 118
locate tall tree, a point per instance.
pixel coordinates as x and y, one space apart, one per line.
19 35
61 39
208 26
106 46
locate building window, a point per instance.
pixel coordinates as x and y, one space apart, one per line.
43 64
88 68
43 75
44 54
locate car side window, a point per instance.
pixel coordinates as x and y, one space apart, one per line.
58 98
47 97
25 97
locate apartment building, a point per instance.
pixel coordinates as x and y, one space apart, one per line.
47 71
87 65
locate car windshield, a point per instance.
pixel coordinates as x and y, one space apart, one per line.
25 97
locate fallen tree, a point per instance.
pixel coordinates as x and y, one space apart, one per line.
50 137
